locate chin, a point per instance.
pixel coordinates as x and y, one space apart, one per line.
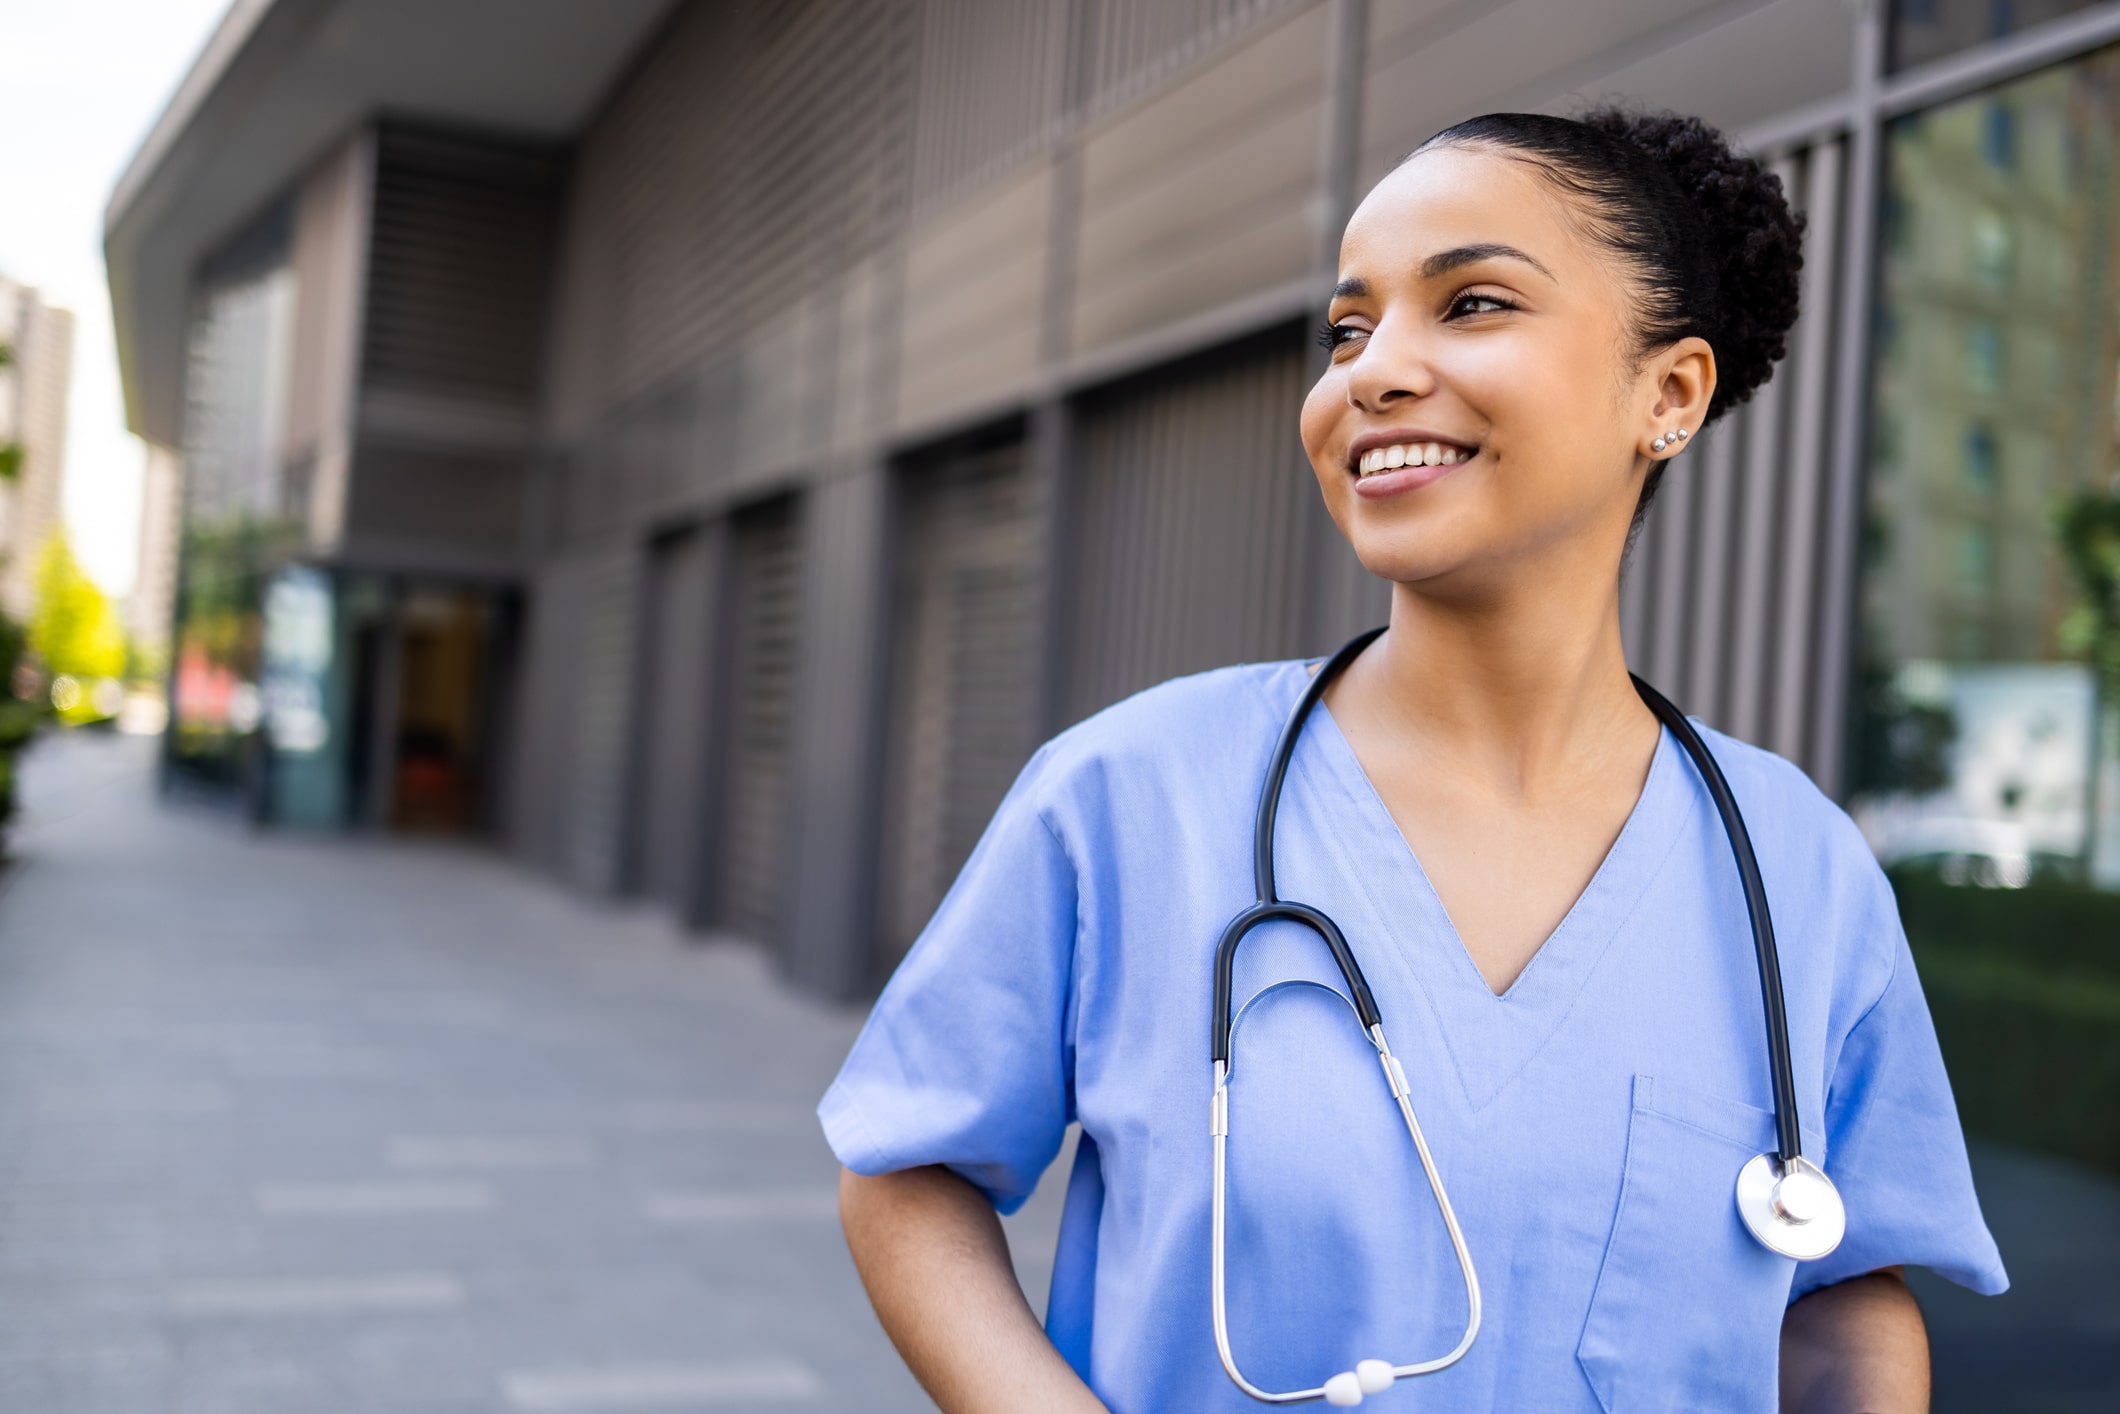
1411 558
1406 546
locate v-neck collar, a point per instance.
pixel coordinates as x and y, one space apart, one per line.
1489 1037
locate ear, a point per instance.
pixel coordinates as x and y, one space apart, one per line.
1684 385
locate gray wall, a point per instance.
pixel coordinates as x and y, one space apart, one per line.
459 264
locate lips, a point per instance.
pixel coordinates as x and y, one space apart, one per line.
1398 454
1384 463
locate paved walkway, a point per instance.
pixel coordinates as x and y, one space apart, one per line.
2051 1343
298 1125
293 1125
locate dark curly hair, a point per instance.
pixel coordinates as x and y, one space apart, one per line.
1707 230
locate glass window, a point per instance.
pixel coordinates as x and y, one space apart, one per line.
1999 137
1981 457
1922 30
1984 348
234 530
1988 745
1994 249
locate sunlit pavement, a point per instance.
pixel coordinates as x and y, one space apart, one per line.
330 1126
326 1126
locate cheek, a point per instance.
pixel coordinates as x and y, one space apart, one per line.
1528 391
1551 413
1322 409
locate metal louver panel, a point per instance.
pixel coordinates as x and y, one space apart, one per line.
964 674
1195 522
573 756
764 607
1131 45
1721 605
989 90
671 771
459 261
691 220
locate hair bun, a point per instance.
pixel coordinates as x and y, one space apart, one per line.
1752 242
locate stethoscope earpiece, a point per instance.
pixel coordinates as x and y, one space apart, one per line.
1345 1390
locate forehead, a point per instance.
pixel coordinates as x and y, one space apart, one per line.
1448 197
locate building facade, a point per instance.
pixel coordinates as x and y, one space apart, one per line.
707 446
34 385
151 607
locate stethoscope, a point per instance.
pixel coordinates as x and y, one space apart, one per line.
1785 1200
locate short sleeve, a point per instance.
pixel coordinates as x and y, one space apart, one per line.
965 1060
1894 1147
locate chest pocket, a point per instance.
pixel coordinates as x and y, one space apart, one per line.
1687 1310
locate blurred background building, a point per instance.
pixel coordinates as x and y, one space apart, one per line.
704 447
34 381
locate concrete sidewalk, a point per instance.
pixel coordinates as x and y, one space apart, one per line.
338 1126
2051 1343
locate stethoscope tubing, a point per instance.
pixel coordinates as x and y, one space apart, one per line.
1269 906
1761 1210
1395 1078
1780 1072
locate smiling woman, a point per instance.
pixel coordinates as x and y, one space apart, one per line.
1534 317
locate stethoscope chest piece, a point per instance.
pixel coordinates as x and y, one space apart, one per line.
1796 1212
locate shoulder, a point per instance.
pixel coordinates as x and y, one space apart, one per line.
1183 716
1820 871
1785 808
1202 732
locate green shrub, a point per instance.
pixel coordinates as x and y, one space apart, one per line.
2024 985
18 723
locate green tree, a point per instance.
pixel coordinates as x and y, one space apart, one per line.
2088 529
18 719
10 452
73 631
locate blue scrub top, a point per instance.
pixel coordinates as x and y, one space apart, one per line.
1588 1124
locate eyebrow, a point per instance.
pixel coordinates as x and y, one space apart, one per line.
1443 262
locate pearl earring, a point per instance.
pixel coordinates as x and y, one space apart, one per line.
1669 440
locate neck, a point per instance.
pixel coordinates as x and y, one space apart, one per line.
1527 692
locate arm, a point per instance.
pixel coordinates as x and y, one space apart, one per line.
934 1259
1857 1347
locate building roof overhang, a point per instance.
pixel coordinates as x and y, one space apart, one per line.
278 83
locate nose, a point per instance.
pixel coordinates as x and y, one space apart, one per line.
1391 367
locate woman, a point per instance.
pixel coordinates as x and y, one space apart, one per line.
1534 315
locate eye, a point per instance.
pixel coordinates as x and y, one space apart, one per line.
1469 302
1333 336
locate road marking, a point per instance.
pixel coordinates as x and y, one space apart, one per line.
318 1296
658 1387
356 1199
460 1152
718 1115
805 1204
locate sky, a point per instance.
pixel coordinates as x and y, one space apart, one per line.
81 82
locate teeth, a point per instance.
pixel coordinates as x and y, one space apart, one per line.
1410 454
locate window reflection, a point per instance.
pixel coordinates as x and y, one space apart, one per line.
235 529
1988 771
1922 30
